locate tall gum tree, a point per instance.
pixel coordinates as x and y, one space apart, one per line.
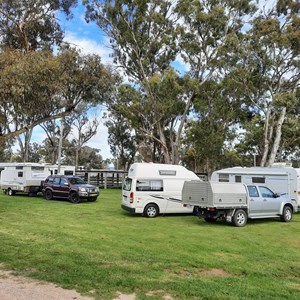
147 36
272 77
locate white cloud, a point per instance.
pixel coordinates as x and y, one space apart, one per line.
88 46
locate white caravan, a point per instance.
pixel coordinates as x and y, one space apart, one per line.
148 186
64 170
23 177
280 179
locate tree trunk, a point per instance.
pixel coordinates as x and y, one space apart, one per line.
268 132
277 138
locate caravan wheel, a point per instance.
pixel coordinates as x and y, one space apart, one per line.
10 192
151 211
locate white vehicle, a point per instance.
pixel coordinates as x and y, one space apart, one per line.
280 179
236 202
148 186
23 177
64 170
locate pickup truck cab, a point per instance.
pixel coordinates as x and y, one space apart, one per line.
236 202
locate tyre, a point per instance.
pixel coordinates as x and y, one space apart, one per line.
10 192
74 198
48 194
151 211
240 218
287 214
92 199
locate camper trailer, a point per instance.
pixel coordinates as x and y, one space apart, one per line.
64 170
23 177
280 179
148 186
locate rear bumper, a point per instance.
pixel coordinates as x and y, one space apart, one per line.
130 209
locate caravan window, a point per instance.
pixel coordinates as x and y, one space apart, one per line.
19 167
223 177
258 180
238 178
37 168
20 174
149 185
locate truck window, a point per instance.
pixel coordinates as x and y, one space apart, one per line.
127 184
253 192
265 192
149 185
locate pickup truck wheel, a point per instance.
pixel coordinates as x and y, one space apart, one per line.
151 211
48 194
74 198
240 218
287 214
10 192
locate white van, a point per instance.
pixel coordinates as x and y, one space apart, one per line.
280 179
148 186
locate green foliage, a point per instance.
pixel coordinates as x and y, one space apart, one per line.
31 25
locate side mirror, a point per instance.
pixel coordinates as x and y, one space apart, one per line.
276 195
66 183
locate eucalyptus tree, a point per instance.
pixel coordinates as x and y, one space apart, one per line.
144 44
270 77
148 36
84 127
31 25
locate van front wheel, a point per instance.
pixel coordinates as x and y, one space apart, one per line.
151 211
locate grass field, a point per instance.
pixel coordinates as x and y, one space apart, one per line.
98 249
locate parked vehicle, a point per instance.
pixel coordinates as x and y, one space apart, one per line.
69 187
22 177
280 179
236 202
148 186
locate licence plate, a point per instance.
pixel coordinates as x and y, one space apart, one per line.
93 195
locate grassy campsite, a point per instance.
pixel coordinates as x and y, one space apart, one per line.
100 250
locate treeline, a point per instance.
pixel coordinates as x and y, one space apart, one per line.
211 83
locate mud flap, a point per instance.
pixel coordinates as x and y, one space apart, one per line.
229 215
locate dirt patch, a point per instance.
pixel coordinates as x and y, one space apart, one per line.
215 273
202 273
22 288
160 292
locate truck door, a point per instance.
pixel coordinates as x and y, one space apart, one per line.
255 201
271 203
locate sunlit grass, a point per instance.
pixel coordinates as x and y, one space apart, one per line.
98 249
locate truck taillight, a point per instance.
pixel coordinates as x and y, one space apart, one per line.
131 197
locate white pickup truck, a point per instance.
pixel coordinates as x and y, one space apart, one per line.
236 202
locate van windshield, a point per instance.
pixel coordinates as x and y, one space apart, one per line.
127 184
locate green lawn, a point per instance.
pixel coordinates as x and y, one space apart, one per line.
98 249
